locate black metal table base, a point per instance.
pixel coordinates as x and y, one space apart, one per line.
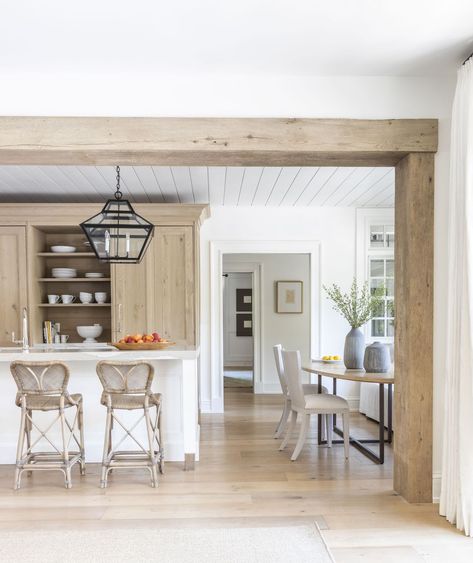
358 443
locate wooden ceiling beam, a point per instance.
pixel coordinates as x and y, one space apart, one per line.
213 141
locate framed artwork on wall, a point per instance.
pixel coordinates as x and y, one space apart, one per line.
244 300
244 324
289 297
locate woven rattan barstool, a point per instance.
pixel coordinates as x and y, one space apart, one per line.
127 386
42 386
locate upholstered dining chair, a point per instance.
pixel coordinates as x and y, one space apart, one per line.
307 405
308 389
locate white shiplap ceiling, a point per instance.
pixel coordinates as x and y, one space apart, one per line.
230 186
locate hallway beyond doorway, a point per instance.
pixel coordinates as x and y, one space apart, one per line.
238 379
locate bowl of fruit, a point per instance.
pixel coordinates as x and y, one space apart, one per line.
331 359
143 342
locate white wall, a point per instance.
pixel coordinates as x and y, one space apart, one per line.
290 330
369 97
337 264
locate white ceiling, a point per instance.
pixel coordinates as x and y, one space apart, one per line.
232 186
279 37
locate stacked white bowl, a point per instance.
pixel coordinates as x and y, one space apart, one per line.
64 273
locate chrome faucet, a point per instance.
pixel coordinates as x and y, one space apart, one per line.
24 331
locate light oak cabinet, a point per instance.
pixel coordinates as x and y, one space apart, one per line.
160 293
130 297
13 288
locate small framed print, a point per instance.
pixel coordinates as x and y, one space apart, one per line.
244 300
244 324
288 297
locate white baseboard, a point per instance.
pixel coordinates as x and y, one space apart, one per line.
213 406
239 363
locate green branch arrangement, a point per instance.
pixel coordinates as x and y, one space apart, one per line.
358 306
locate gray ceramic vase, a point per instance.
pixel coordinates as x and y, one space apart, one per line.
377 358
354 349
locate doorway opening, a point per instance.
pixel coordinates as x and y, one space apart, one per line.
238 344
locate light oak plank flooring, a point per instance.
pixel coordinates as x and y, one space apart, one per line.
243 480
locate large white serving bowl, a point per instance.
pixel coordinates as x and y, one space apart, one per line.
63 249
89 333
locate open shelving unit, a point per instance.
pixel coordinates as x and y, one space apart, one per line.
74 314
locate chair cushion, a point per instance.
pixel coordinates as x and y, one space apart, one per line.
130 402
325 402
48 402
312 388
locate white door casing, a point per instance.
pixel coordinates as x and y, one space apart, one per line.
217 250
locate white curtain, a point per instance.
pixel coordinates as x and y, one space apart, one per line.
456 499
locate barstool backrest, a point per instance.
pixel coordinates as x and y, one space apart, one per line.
292 370
277 349
40 378
125 377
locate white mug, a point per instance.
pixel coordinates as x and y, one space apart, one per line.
85 297
100 297
68 299
53 299
64 338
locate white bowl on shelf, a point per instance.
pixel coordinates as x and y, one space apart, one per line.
89 333
94 275
64 273
63 249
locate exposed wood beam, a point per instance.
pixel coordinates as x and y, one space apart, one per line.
413 392
212 141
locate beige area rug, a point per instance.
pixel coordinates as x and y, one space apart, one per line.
294 544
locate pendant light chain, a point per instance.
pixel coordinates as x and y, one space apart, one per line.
118 193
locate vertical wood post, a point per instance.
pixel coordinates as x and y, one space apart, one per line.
414 253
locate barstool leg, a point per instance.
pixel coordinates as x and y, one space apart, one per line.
152 456
107 445
28 427
161 445
81 437
65 450
19 449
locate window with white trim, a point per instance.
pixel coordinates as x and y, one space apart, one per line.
375 241
381 274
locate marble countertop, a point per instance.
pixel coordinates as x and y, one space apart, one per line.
81 352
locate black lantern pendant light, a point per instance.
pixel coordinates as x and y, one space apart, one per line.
118 234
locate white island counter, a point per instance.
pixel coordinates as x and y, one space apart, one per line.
175 377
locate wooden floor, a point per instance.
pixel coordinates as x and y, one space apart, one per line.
244 480
237 378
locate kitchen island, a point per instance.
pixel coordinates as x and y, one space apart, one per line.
176 377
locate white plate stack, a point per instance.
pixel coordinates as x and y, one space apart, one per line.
63 249
64 273
94 275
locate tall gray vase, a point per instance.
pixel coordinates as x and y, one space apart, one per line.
354 349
